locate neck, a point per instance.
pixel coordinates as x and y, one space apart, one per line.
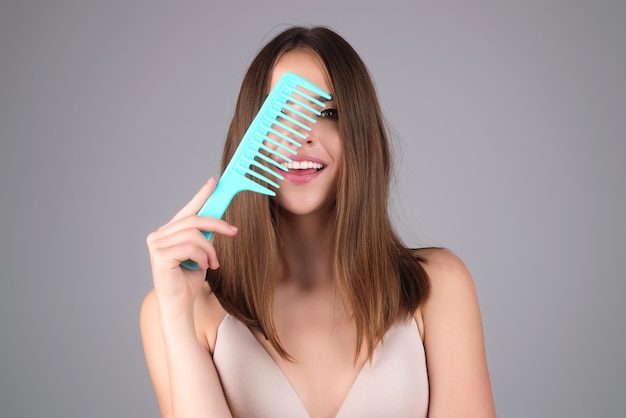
307 249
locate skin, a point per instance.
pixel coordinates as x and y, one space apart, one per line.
180 316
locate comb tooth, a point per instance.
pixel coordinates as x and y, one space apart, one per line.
278 144
286 138
252 162
308 97
279 112
259 188
293 120
289 98
276 121
274 152
253 185
262 137
269 122
302 82
261 177
289 128
270 161
267 159
299 113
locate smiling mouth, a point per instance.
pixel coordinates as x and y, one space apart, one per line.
303 165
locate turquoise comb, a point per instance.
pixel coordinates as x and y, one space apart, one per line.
288 98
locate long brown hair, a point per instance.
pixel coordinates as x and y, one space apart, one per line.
379 278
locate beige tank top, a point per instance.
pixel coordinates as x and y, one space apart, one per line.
394 384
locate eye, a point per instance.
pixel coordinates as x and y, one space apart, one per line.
329 114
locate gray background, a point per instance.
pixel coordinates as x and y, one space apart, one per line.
508 121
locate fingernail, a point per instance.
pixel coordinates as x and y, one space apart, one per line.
233 228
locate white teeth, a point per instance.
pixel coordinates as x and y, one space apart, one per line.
303 165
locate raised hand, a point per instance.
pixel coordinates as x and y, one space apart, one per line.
181 239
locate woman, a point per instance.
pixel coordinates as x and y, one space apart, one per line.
308 304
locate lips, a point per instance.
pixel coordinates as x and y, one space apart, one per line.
303 169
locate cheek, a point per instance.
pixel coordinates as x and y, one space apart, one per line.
334 147
337 150
329 133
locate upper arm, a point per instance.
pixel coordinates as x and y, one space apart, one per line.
453 340
154 350
200 374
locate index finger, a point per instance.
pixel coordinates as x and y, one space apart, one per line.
194 205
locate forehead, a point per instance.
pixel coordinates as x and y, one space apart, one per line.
303 63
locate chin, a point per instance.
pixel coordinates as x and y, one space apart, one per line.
301 210
304 207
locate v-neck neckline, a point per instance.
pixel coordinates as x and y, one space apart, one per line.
255 385
283 376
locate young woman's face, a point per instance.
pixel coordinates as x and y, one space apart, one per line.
311 183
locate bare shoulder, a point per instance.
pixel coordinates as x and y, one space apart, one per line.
450 280
452 290
449 276
149 313
453 339
442 264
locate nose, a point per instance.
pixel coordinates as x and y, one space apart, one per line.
309 139
312 135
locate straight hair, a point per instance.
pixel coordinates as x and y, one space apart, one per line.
380 280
